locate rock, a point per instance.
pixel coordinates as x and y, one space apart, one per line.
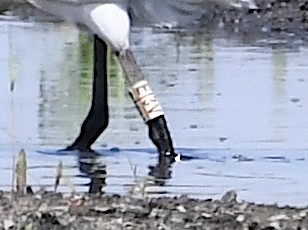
43 207
29 227
294 100
206 215
240 218
8 224
278 217
229 197
176 219
154 213
274 226
63 221
243 206
38 196
180 208
79 210
60 209
103 210
303 213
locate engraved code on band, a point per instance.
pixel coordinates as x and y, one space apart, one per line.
145 100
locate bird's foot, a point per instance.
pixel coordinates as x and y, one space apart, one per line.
77 148
174 156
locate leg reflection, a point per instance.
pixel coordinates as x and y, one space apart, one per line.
162 171
90 164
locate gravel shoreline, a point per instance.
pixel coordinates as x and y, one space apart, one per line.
45 210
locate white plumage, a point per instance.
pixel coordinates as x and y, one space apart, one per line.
112 24
110 19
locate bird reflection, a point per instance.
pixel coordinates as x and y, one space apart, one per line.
162 171
92 167
90 164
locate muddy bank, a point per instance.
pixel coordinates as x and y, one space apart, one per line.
272 17
45 210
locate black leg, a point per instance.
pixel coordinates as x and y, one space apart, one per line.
97 119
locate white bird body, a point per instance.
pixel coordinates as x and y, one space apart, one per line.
111 23
111 19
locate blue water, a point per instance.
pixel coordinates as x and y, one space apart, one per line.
236 109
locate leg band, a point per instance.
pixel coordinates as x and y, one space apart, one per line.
145 100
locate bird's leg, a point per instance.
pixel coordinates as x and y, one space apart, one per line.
147 104
97 119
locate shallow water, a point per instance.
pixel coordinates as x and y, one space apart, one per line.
236 106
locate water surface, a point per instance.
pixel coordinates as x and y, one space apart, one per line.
238 106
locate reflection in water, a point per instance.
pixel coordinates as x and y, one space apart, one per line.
90 164
279 77
161 172
208 69
69 85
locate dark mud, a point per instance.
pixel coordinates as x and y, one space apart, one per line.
272 17
45 210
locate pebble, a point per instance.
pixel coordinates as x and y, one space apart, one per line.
229 197
240 218
8 224
43 207
294 100
180 208
207 215
103 210
275 226
278 217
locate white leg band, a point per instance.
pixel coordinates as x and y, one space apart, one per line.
145 100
